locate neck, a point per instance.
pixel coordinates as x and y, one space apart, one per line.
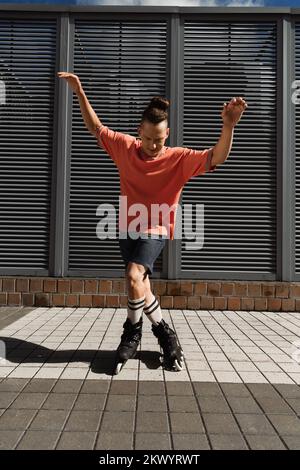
145 156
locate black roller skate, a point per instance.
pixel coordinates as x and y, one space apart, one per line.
130 340
172 352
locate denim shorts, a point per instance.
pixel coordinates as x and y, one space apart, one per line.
142 251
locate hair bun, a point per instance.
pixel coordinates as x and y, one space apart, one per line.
159 103
156 111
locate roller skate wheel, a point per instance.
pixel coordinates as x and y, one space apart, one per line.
177 365
118 368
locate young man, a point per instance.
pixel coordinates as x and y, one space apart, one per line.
151 175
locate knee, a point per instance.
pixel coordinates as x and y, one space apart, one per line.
135 274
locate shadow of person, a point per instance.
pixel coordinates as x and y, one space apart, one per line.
150 358
101 361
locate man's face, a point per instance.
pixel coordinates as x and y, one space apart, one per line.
153 137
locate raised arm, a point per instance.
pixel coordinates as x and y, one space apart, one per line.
231 115
89 116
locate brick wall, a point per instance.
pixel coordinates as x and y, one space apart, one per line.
216 295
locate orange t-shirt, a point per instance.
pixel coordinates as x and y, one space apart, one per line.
151 181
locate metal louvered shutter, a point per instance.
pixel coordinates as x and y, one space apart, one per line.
27 68
223 60
121 65
297 151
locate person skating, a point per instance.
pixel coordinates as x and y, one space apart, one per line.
151 174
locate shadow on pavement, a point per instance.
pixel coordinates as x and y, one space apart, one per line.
101 361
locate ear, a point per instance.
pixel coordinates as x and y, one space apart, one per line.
168 131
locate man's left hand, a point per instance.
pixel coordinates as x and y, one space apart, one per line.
232 111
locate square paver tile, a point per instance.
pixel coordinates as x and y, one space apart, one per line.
152 403
67 386
7 398
120 403
190 442
274 405
207 389
255 424
72 440
24 372
30 401
183 404
286 424
243 405
49 420
213 404
74 373
39 386
187 423
13 385
229 377
260 442
151 388
149 441
90 401
114 441
152 422
221 423
294 403
92 386
179 388
286 390
120 387
38 440
228 442
235 390
83 421
49 373
59 401
263 390
117 421
14 420
9 439
292 442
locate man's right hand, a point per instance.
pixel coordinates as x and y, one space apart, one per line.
72 80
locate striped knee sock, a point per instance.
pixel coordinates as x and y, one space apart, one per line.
153 311
135 309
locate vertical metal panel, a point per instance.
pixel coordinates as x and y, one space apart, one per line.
121 64
297 150
175 122
222 60
286 160
62 116
27 66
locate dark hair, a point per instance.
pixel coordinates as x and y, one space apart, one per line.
157 110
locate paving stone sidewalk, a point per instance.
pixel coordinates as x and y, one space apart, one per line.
240 387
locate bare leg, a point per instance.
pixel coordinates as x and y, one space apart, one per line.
135 280
132 332
148 293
